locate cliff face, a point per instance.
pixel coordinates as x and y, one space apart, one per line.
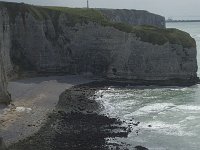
133 17
99 50
5 63
82 41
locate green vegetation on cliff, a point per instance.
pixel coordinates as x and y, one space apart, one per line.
149 34
81 13
14 9
160 36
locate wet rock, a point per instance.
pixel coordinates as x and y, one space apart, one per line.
141 148
136 124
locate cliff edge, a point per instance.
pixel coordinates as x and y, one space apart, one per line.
134 17
84 41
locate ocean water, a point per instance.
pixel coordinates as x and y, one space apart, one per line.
168 118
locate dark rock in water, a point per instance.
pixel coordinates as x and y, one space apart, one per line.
141 148
136 124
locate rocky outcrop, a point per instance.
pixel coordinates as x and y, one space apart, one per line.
82 41
95 49
76 124
2 144
5 63
134 17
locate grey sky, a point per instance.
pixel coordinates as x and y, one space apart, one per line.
178 9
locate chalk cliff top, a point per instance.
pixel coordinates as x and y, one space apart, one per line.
134 17
107 17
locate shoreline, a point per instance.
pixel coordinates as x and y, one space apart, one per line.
75 123
32 100
169 82
80 106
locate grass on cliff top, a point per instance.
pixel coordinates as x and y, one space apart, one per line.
149 34
14 9
80 13
159 36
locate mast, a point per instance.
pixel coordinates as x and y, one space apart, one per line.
87 4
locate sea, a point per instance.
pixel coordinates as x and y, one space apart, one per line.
160 118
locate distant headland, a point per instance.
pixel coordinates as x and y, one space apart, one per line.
171 20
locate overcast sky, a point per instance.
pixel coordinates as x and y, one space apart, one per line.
176 9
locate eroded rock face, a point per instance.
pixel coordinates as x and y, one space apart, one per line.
53 44
134 17
2 144
5 63
98 50
4 95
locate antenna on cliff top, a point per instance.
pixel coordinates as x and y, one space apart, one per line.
87 4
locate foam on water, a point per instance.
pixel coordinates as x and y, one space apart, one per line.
163 113
150 97
179 89
197 36
159 127
154 108
187 108
189 118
